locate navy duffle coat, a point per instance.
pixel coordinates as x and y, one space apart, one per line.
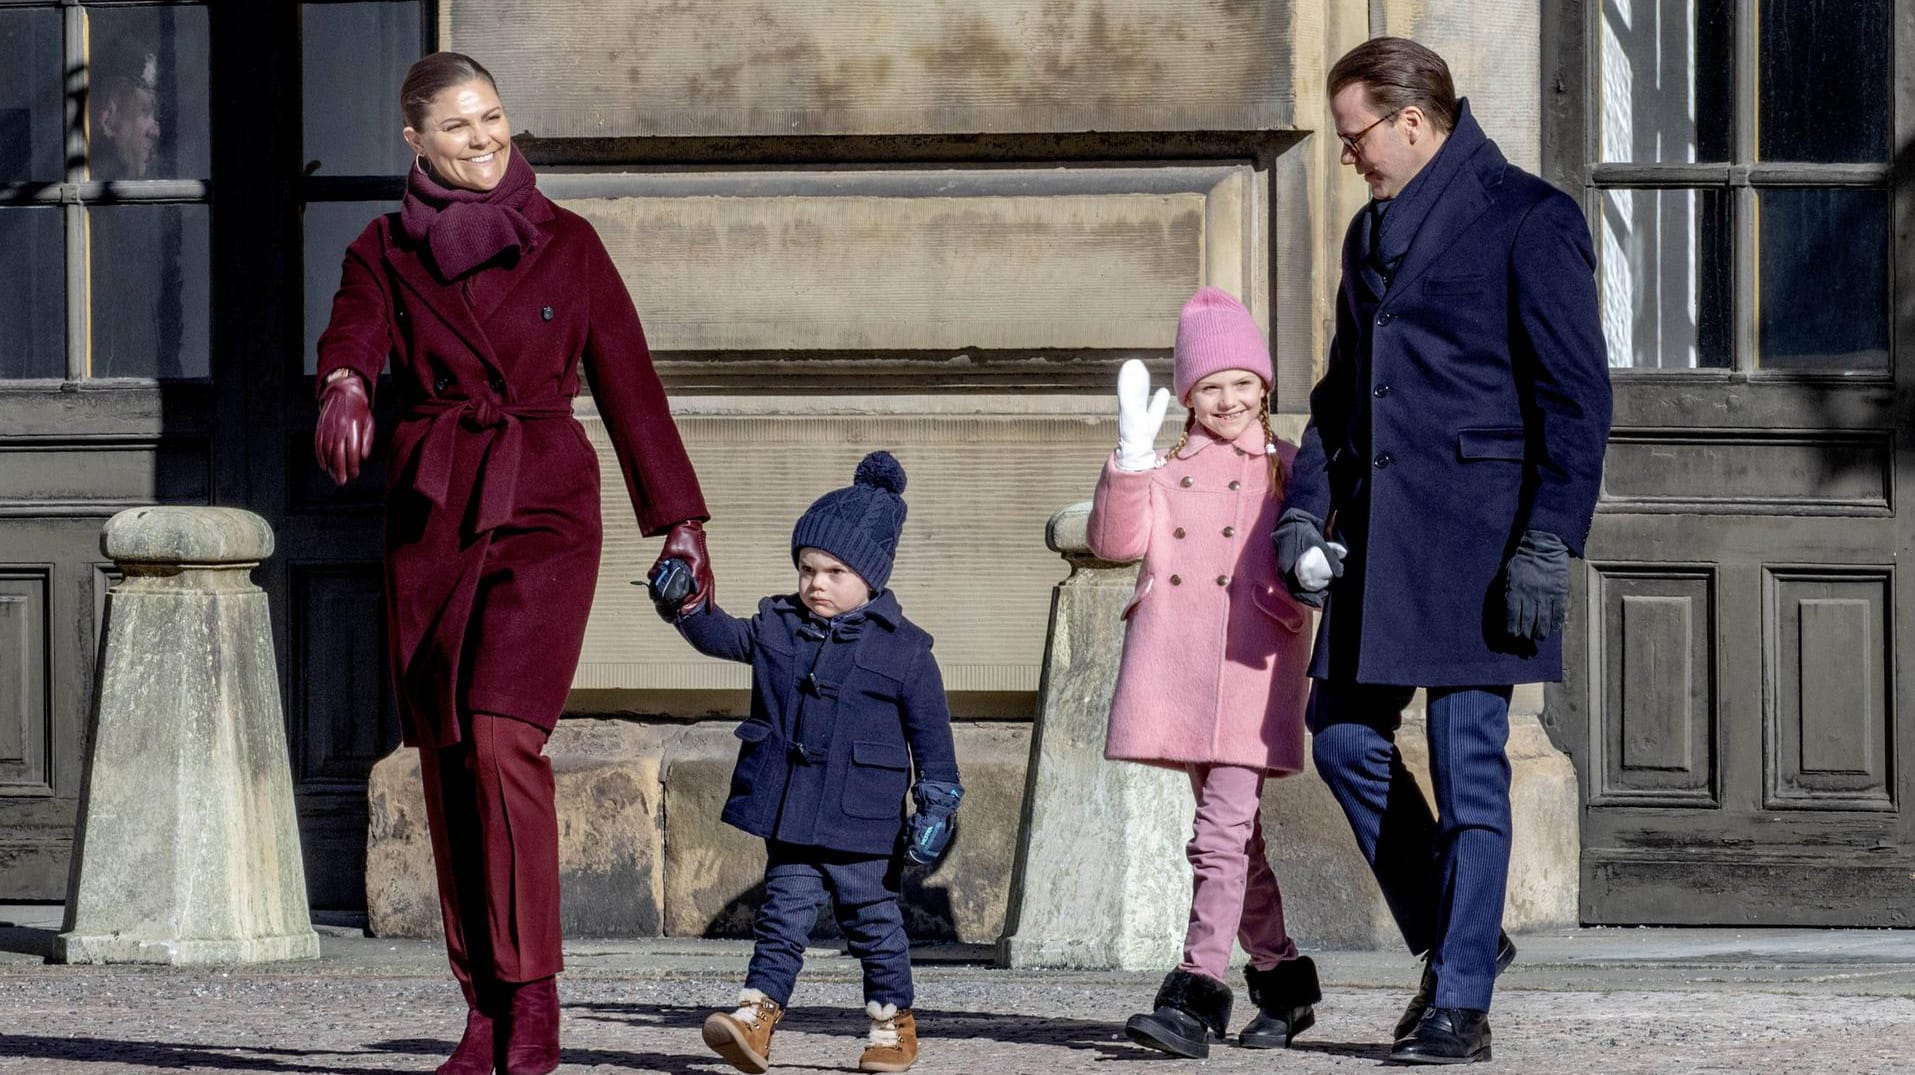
1487 392
841 710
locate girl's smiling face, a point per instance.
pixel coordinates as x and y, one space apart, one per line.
1227 402
827 585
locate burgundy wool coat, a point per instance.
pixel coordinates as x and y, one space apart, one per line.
492 505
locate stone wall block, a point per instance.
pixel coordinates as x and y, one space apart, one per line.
611 834
187 848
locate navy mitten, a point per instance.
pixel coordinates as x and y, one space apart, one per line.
927 833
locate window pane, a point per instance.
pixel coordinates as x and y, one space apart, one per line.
149 291
1825 93
1824 283
146 105
355 57
31 106
1665 283
330 227
1665 71
33 306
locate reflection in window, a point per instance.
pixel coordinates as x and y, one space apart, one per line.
330 227
31 108
1665 267
147 93
33 306
1824 274
355 57
1666 67
1825 93
150 299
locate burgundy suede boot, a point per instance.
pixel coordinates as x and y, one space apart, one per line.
475 1051
532 1029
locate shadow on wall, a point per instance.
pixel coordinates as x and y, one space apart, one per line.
928 913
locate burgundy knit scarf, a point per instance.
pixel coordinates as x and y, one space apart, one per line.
465 228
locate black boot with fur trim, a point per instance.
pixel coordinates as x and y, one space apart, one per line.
1283 996
1192 1010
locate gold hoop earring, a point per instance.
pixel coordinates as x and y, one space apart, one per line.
420 159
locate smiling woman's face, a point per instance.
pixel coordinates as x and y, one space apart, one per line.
464 139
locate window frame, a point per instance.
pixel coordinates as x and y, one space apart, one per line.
1571 152
76 194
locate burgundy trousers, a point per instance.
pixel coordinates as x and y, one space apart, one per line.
495 845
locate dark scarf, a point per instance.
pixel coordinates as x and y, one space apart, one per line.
1390 226
465 228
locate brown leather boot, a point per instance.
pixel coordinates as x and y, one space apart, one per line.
743 1037
894 1038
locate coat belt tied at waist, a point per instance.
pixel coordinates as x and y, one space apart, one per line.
498 473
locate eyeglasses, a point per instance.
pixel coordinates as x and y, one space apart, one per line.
1353 143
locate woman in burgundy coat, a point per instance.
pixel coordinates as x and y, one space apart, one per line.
488 299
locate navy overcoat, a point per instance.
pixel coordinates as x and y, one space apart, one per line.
840 711
1487 392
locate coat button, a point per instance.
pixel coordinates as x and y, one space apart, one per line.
1380 391
1383 460
1234 486
1176 580
1384 319
1223 580
546 313
441 383
1229 531
1186 482
1238 450
1179 532
495 383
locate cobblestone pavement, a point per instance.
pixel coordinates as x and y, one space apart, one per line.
377 1006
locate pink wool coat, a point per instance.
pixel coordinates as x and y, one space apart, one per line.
1215 652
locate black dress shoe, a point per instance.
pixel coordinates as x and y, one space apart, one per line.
1190 1010
1426 989
1446 1036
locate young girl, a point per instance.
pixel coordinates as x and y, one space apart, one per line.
1213 680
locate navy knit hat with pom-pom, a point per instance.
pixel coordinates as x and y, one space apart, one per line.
858 524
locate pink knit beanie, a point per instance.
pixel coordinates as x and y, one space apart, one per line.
1216 333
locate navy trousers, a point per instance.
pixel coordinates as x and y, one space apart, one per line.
864 897
1444 876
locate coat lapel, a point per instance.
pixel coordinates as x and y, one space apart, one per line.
444 301
539 211
1467 198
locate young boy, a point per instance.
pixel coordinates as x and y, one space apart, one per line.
846 697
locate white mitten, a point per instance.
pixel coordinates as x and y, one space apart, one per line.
1313 568
1139 416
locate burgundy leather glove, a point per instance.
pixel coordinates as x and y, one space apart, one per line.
686 541
343 439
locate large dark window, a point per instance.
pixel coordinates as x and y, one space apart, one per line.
104 163
1740 155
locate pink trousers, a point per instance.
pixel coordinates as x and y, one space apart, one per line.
1234 895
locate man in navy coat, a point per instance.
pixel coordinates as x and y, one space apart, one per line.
1448 473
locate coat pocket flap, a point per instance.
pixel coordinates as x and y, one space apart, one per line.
1278 606
1136 595
752 731
1490 444
881 755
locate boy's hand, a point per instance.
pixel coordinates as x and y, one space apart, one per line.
670 583
927 833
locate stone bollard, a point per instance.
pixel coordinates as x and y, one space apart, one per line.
187 850
1099 879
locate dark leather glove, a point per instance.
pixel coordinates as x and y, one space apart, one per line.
343 439
686 541
927 833
1536 596
1297 533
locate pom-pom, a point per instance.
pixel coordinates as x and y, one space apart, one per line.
882 470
